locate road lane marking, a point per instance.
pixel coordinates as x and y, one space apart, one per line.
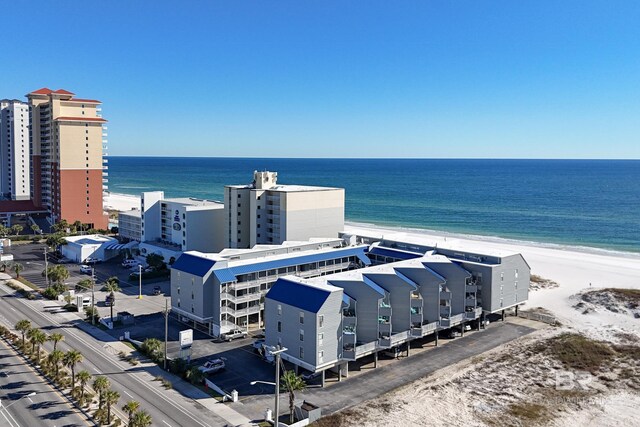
166 423
98 352
127 393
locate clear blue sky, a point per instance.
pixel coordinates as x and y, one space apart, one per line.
541 79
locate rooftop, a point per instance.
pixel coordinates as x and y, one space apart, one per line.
191 201
91 239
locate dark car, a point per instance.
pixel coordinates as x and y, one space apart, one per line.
157 290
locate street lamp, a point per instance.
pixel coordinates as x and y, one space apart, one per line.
33 393
93 297
140 281
275 351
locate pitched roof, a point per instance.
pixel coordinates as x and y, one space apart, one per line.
43 91
86 101
296 294
394 253
198 266
63 92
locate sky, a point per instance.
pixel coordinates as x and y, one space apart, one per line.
429 79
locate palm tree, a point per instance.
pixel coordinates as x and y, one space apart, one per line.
35 228
83 377
71 359
141 419
56 337
77 225
17 268
130 407
30 333
56 239
101 385
291 382
112 284
54 359
110 398
23 326
38 338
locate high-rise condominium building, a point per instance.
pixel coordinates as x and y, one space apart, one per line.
265 212
14 150
67 140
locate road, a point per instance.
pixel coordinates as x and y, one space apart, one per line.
167 407
46 408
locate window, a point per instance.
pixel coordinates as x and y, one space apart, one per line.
279 326
320 338
301 334
301 318
516 273
320 321
279 309
301 353
502 277
239 195
320 356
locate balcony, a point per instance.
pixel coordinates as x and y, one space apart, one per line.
240 312
472 288
364 349
384 310
416 302
470 302
472 315
384 329
425 329
349 321
395 339
241 298
416 317
445 295
445 310
452 321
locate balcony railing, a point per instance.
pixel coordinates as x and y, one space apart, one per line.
423 330
395 339
367 348
240 312
453 320
384 310
446 295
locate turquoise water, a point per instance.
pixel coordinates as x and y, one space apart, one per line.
594 203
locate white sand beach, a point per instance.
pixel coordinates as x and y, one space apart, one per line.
121 202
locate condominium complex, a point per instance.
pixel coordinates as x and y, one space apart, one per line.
130 225
170 226
220 292
69 172
265 212
15 183
328 321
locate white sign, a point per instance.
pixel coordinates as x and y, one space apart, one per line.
186 338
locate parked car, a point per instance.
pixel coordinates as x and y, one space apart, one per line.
86 302
234 335
212 366
85 269
467 328
157 290
128 263
393 352
92 261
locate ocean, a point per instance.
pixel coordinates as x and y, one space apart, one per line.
591 203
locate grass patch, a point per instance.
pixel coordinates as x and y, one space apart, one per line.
578 352
631 296
537 279
529 413
346 418
128 344
27 283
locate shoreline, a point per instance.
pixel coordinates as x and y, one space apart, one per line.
125 202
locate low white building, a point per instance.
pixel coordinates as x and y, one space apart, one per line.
79 248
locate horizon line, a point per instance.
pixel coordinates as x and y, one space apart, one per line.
381 158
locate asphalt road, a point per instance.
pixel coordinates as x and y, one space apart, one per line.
167 407
46 408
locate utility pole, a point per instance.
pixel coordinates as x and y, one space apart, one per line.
140 281
46 267
93 296
276 353
166 330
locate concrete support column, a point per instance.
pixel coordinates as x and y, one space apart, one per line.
408 347
295 368
516 311
479 322
436 338
339 373
322 379
346 370
503 315
461 329
375 359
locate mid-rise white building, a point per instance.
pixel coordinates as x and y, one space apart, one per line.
265 212
172 226
130 225
15 156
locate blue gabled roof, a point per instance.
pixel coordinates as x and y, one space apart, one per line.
224 275
394 253
300 295
198 266
301 259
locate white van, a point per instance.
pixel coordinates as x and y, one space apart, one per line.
86 302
